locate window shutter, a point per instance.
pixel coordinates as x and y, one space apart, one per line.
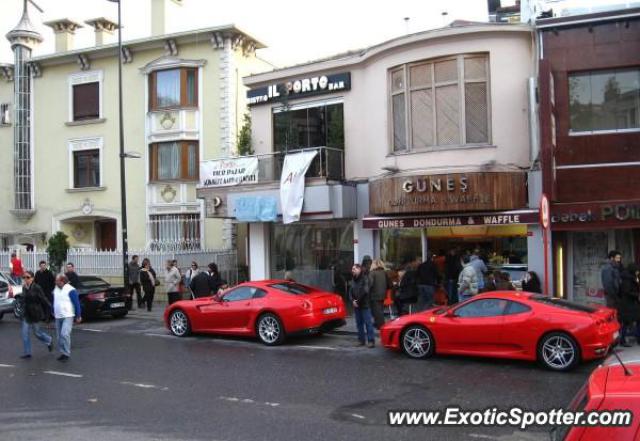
86 101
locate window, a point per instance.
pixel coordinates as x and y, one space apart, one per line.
607 100
86 101
173 88
516 308
171 161
241 293
442 102
175 231
86 168
5 115
319 126
482 308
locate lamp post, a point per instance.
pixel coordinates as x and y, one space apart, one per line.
123 156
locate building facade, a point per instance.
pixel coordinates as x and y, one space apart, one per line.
183 102
590 137
423 143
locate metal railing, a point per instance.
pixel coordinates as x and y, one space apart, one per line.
109 263
328 164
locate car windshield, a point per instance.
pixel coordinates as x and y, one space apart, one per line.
93 283
564 304
6 278
292 288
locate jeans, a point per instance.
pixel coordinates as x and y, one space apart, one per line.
37 331
452 291
425 296
364 319
63 333
147 299
17 279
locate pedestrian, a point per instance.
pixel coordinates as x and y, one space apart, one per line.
46 280
380 283
17 271
366 264
503 281
610 276
428 280
148 280
191 273
172 279
134 280
468 280
531 283
216 279
629 305
36 308
288 276
480 267
453 267
72 276
66 309
407 288
360 295
202 284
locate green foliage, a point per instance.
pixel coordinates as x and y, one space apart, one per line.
244 137
57 248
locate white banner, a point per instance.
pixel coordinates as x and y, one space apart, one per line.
227 172
292 184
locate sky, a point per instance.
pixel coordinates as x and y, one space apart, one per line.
295 31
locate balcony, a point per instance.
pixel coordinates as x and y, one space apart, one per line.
328 164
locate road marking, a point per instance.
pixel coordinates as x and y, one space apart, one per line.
150 334
91 330
7 365
355 415
248 401
144 386
478 435
325 348
63 374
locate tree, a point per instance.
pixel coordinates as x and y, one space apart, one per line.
57 248
244 137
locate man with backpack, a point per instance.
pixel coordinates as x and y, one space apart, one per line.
468 279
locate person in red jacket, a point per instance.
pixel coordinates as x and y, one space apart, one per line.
17 271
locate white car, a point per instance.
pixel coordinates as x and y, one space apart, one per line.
9 289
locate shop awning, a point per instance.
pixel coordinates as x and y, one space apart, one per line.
515 217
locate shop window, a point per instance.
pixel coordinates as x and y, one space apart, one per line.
173 88
319 126
606 100
86 168
175 231
442 102
174 161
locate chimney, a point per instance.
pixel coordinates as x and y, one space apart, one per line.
104 29
160 11
64 30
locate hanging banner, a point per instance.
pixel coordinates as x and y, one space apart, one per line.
292 184
228 172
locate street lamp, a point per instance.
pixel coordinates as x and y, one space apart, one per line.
123 155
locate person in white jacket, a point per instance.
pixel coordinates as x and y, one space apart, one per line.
172 279
66 310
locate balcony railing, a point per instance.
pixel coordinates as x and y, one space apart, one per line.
328 164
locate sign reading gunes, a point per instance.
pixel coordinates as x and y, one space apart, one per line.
299 88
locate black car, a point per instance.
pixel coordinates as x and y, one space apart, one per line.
98 298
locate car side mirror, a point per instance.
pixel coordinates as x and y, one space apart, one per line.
450 313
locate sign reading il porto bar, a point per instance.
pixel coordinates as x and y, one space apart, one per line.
299 88
482 219
448 193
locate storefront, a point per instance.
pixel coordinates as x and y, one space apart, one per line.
583 234
416 215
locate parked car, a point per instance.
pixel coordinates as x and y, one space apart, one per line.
98 298
270 310
611 386
9 290
508 324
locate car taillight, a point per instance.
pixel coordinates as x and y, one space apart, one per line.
96 296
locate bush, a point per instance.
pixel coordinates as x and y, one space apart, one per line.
57 247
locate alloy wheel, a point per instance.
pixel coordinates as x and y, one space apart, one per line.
558 352
269 329
179 323
416 342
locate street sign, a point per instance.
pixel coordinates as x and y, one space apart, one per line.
545 217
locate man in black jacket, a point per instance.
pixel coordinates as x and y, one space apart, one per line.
428 279
46 280
360 295
206 283
72 276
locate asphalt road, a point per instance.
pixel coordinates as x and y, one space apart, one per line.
129 380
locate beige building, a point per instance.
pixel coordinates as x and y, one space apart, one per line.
183 102
423 144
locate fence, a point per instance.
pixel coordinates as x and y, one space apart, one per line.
109 263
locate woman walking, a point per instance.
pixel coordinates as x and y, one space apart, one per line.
36 308
148 280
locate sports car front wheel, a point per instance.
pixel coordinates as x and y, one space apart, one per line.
417 342
179 323
270 330
558 351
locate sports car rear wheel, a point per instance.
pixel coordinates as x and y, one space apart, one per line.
270 330
417 342
558 351
179 323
